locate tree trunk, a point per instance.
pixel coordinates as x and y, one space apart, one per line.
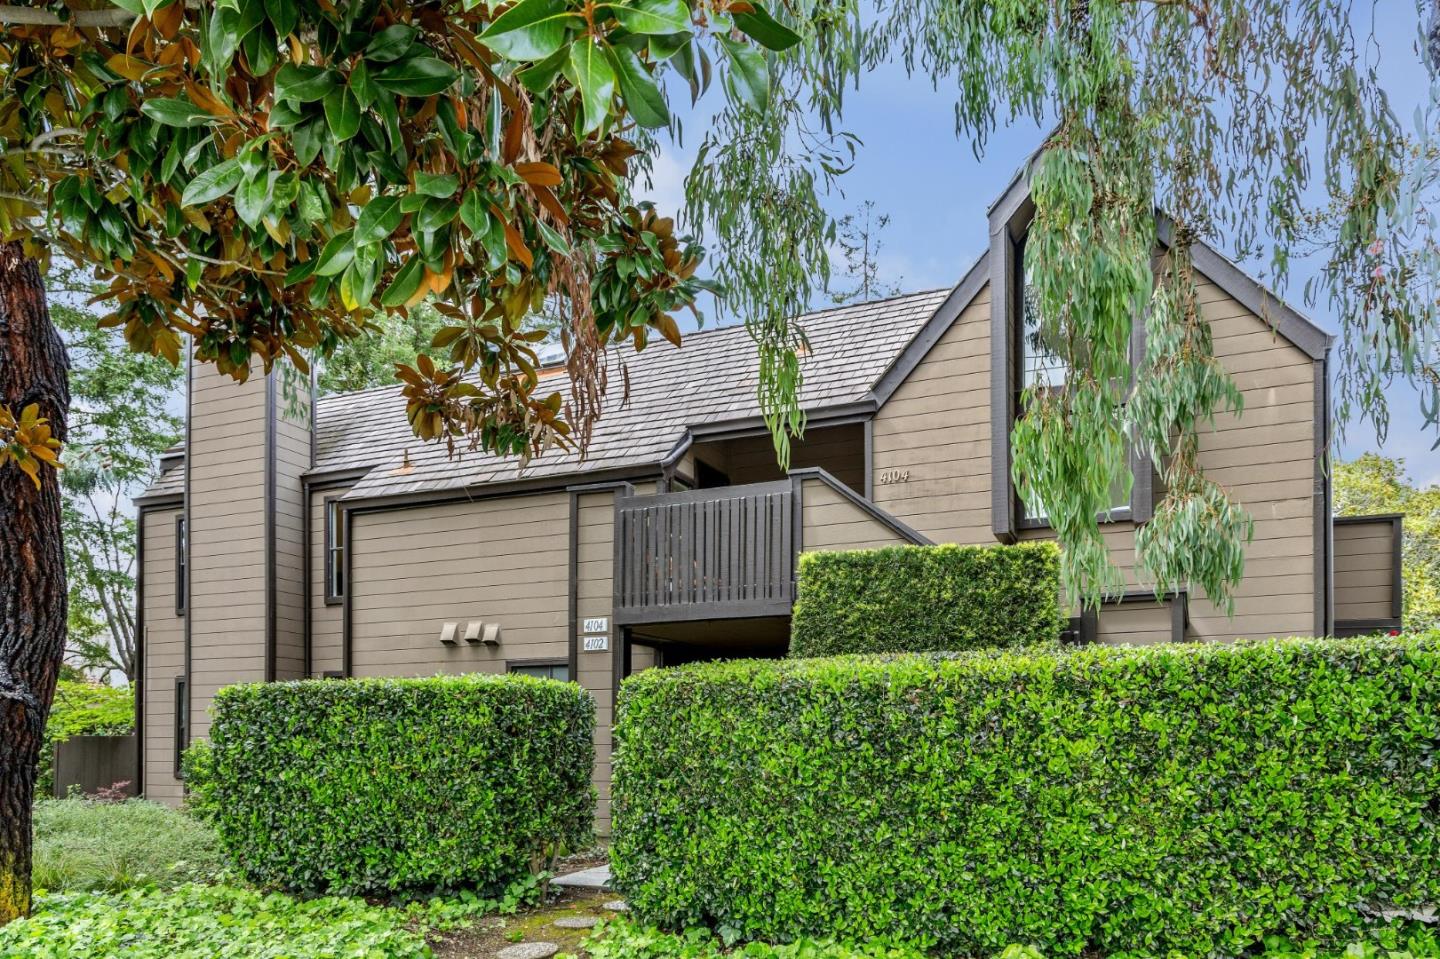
33 369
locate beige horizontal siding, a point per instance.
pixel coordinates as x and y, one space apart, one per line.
1134 624
594 598
326 620
830 521
1364 570
936 428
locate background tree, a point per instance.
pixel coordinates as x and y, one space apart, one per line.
120 421
1379 484
857 234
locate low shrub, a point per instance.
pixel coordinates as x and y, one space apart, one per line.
926 599
86 845
82 709
1192 799
623 940
380 785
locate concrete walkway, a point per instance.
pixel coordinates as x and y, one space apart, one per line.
596 877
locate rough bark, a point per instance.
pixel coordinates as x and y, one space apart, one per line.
33 369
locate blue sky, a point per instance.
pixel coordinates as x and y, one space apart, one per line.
936 192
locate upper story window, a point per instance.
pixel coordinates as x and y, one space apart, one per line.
182 566
1042 367
334 551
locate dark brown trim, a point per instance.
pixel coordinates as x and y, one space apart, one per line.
267 525
620 664
1282 318
324 479
1322 564
346 602
1345 628
484 491
869 483
159 500
1008 220
187 662
863 503
841 415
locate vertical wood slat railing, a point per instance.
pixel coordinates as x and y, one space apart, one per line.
706 554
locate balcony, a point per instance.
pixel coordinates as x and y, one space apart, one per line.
729 552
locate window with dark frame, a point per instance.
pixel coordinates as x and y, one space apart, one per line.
558 669
1041 367
182 720
334 551
182 566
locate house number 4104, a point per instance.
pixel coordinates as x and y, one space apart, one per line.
894 476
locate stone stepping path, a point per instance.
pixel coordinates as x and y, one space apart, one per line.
576 922
618 905
528 950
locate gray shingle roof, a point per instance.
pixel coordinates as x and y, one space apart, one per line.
711 379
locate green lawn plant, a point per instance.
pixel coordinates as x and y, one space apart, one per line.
83 845
1176 799
387 785
926 599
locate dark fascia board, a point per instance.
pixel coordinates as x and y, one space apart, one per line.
840 414
928 335
159 500
1283 318
1369 518
318 479
875 512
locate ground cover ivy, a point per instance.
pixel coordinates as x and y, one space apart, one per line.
1190 800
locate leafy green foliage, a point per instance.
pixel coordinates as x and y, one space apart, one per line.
914 599
262 175
1377 484
83 845
626 940
1184 800
380 785
82 708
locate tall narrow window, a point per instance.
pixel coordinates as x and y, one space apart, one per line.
1043 368
182 566
182 720
334 551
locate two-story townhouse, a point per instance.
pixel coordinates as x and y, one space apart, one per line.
291 537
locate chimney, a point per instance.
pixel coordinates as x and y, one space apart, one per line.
246 448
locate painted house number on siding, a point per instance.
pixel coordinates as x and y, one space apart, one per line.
887 477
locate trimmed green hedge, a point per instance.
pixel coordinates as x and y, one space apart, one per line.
916 599
1122 800
379 785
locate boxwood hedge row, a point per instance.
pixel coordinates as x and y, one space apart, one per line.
1131 801
380 785
926 598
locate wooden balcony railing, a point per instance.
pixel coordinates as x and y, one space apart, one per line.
706 554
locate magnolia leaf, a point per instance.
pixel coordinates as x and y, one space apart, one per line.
473 212
595 79
405 284
175 112
252 199
748 79
283 14
211 184
538 77
337 255
530 30
765 29
342 112
392 43
304 84
652 17
416 77
441 185
378 219
638 89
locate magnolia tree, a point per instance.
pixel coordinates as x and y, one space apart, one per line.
260 175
